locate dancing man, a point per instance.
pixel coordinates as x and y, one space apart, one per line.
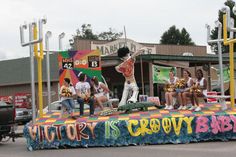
127 69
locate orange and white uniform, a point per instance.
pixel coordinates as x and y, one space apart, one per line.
127 69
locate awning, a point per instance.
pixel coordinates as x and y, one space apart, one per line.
173 64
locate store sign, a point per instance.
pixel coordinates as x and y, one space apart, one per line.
112 47
19 98
6 98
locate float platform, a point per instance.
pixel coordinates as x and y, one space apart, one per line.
155 126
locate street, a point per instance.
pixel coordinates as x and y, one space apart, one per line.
202 149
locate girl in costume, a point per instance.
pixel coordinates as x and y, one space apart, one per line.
67 93
101 92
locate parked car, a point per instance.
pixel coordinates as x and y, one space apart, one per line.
7 120
56 106
23 115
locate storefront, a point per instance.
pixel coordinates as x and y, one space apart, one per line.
17 79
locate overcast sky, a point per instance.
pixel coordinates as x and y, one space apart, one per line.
145 20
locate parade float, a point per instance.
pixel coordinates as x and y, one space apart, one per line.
137 128
133 122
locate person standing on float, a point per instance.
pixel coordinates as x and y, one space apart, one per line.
127 69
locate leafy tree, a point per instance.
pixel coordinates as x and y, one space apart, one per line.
86 32
110 35
185 38
214 32
174 36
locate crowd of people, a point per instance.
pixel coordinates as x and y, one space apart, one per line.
93 93
184 90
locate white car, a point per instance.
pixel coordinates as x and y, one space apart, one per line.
23 115
56 106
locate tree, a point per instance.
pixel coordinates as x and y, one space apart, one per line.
175 37
110 35
86 32
185 38
214 32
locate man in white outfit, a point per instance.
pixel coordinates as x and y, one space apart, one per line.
127 69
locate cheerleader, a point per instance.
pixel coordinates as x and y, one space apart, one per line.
184 93
170 91
200 90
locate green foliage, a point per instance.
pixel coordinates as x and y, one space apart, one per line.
214 32
109 35
138 105
174 36
86 32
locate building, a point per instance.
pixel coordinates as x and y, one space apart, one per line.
16 73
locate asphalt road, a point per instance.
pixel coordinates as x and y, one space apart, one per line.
202 149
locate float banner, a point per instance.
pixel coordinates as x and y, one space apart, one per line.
226 74
133 131
160 74
71 63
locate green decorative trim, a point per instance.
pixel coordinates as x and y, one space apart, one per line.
143 106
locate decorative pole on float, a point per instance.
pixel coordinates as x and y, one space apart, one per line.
39 57
47 36
60 37
126 45
30 44
219 41
227 27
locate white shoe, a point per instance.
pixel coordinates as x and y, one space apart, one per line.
197 109
189 105
184 108
180 107
166 107
132 100
192 108
170 107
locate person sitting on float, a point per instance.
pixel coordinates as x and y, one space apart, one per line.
199 90
170 90
67 92
101 92
184 93
127 69
84 94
